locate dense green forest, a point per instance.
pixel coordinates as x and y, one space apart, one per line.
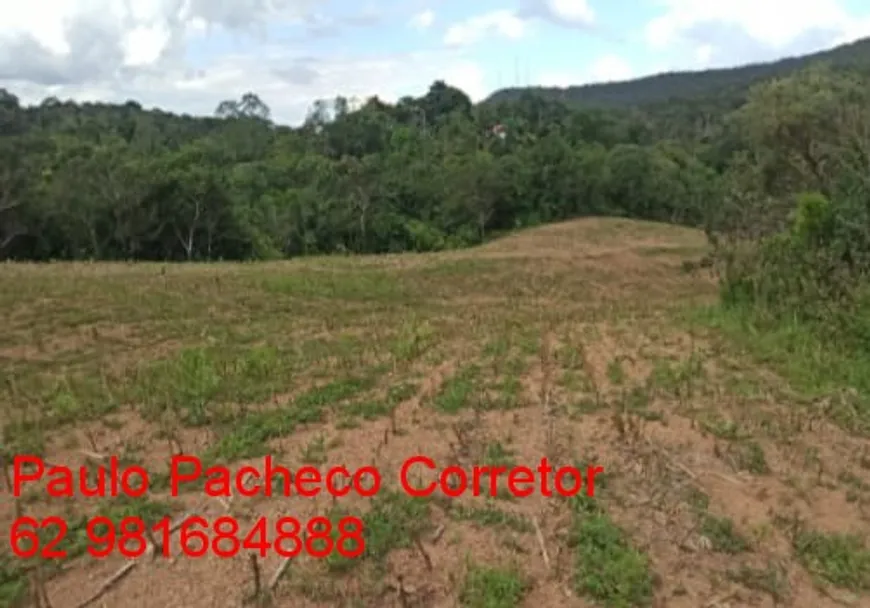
104 181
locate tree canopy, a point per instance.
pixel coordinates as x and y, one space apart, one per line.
101 181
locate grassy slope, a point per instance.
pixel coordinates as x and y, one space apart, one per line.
568 341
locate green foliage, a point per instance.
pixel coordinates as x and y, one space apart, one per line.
99 181
812 271
813 222
607 567
840 559
486 587
792 236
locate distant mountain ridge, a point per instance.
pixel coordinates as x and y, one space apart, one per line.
660 88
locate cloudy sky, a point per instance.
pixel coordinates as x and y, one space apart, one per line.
188 55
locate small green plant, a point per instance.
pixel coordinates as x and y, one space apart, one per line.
486 587
722 534
607 568
772 580
840 559
490 516
615 371
496 455
315 452
458 391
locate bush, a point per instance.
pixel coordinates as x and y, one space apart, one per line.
806 273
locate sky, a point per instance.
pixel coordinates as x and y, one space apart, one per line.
189 55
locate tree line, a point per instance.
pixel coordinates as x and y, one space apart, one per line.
108 182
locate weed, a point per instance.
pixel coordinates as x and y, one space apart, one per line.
315 452
458 391
496 455
393 522
607 568
772 580
615 372
721 533
490 516
840 559
751 458
487 587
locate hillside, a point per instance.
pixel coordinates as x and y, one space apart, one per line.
731 82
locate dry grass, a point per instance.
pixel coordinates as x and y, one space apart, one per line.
567 342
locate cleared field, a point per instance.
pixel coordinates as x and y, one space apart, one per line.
722 485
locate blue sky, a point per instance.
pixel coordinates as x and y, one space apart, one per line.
188 55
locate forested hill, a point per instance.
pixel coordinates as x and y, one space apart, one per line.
108 181
733 83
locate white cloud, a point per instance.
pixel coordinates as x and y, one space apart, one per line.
188 55
610 68
469 77
703 54
78 41
551 78
287 83
43 23
564 13
767 21
574 12
854 30
423 20
741 31
607 68
115 50
144 44
502 22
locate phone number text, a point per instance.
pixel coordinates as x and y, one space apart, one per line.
224 537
